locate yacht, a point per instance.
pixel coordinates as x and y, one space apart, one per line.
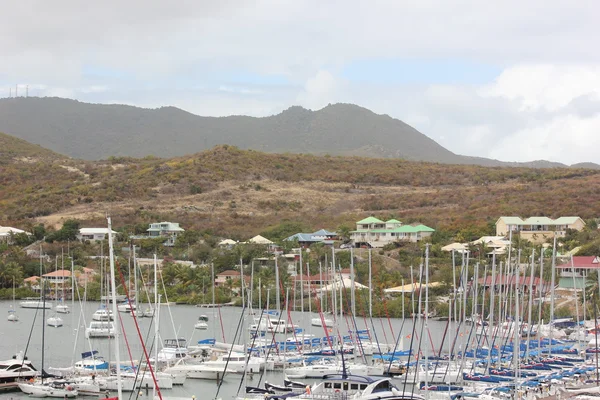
194 369
201 324
328 323
172 351
15 369
102 314
100 329
35 303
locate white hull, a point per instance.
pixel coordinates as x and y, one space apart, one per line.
103 329
62 308
198 371
12 316
318 322
129 382
39 390
35 304
54 322
201 325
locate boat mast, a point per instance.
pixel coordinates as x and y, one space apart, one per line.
114 306
371 289
277 285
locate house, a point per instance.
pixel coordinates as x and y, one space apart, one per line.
225 276
166 230
6 233
85 276
94 234
374 232
457 247
502 281
33 282
574 272
57 277
538 229
320 236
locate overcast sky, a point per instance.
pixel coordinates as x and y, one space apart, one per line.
505 79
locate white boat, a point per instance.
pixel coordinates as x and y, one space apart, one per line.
201 325
237 362
197 370
102 314
17 368
328 323
55 321
126 307
35 303
59 389
172 351
62 308
100 329
12 316
149 313
131 381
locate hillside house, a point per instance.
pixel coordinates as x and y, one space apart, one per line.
538 229
306 239
373 232
167 230
94 234
6 233
574 272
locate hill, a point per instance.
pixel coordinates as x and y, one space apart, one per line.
239 193
97 131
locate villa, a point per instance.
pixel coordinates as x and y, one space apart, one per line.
373 232
538 229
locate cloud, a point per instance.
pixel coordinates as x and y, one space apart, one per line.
258 57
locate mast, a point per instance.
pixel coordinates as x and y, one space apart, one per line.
301 284
552 282
426 315
352 295
43 288
371 289
277 286
114 306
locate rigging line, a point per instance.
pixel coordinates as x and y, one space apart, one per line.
373 325
237 330
412 338
362 350
137 327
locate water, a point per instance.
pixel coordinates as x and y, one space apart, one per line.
65 344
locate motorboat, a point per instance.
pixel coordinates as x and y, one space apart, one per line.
35 303
103 314
54 321
17 368
100 329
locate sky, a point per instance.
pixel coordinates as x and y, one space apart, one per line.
504 79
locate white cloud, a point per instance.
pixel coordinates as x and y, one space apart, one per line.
152 53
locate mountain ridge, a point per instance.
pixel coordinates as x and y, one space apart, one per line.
98 131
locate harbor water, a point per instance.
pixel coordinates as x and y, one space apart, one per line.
63 345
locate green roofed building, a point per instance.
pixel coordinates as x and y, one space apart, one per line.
373 232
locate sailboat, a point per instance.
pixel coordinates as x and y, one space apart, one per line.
12 314
60 389
62 307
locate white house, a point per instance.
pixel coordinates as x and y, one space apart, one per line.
167 230
94 234
538 229
6 232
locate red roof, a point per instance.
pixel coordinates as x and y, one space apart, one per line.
511 280
229 272
60 273
32 279
582 262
